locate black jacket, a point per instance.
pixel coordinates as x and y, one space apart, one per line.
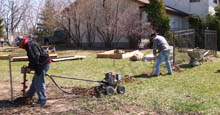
37 56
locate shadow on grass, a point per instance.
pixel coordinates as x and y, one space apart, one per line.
217 71
7 104
143 76
149 75
186 66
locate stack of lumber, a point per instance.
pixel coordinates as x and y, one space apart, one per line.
117 54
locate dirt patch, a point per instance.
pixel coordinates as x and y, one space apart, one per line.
177 68
85 92
127 79
209 58
59 103
56 99
23 101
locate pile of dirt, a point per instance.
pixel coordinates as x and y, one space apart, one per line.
90 92
177 68
127 79
24 101
208 59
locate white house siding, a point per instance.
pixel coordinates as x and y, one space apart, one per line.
201 8
178 22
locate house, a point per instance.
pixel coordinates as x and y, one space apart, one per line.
178 18
179 10
199 7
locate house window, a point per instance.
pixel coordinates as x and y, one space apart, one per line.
194 0
215 1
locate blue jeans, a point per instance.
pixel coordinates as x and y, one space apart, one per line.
38 85
163 55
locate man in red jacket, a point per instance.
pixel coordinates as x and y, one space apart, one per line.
39 61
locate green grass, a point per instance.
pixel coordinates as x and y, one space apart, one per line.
193 91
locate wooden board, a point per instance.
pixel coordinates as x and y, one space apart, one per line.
68 58
5 57
25 58
112 54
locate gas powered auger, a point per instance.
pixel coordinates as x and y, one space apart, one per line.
110 83
107 86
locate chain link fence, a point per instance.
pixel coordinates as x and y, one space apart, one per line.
190 40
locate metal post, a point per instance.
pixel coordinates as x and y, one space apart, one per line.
174 47
216 47
9 57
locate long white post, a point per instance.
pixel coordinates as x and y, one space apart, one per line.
9 57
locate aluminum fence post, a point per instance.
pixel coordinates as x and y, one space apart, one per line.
10 72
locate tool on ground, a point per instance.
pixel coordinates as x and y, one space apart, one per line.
107 86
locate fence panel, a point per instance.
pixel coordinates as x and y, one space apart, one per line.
183 40
189 39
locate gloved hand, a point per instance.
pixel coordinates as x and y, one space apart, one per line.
25 69
28 70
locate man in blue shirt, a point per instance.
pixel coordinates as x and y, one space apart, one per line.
161 44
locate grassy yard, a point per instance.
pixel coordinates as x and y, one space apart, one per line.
193 91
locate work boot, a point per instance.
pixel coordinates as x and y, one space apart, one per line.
37 105
169 73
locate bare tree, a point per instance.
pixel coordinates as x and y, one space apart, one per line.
108 20
73 23
133 28
108 26
47 17
2 10
51 18
28 24
16 10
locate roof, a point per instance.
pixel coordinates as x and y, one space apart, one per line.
169 9
174 11
144 1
